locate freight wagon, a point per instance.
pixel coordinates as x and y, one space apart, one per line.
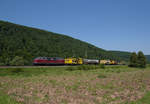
70 61
108 62
73 61
90 61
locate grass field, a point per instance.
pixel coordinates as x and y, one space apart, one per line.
72 85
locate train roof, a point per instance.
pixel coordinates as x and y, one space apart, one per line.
49 58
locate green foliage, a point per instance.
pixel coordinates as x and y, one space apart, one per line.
133 60
73 82
144 100
56 71
2 64
148 65
85 67
141 60
148 58
17 70
102 75
71 68
125 56
102 66
28 43
17 61
138 60
5 99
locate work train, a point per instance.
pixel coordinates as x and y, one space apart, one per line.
70 61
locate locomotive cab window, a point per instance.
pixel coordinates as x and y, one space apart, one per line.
49 59
54 59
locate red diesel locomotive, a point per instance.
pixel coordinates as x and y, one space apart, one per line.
48 61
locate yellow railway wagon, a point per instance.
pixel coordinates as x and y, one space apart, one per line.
71 61
108 62
80 61
112 62
105 62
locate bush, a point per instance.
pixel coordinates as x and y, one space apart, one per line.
102 66
71 68
2 64
83 67
87 67
17 70
17 61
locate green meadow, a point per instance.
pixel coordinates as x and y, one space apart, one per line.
75 85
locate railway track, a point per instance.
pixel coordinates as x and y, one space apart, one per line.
29 66
40 66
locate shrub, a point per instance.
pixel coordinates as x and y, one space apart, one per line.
102 66
17 70
2 64
82 67
17 61
71 68
87 67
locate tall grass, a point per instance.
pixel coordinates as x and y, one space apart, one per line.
85 67
5 99
30 71
65 70
144 100
79 78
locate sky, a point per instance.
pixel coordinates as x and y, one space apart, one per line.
122 25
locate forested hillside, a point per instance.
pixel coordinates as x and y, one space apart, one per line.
148 57
123 55
126 55
28 43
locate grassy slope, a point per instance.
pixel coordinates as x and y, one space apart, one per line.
57 85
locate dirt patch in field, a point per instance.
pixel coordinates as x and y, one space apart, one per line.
74 89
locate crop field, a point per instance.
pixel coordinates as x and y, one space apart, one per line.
75 85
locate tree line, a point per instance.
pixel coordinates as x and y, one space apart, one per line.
137 60
24 43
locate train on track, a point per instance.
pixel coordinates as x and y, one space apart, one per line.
70 61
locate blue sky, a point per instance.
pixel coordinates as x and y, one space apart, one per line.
109 24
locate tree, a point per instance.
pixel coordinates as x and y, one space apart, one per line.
133 60
17 61
141 60
28 43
